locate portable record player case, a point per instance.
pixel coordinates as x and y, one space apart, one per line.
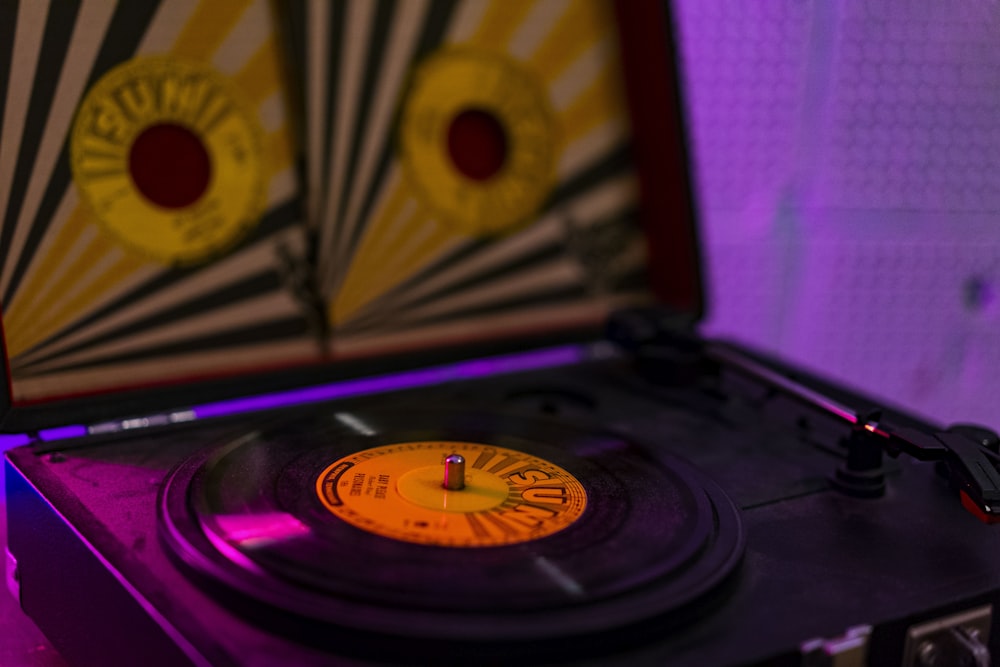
99 512
97 328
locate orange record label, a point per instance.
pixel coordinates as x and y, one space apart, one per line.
169 158
398 491
478 140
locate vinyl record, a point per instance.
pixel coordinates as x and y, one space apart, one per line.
573 531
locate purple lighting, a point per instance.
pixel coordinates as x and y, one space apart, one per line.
62 433
16 440
465 370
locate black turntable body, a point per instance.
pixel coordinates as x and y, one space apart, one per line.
715 531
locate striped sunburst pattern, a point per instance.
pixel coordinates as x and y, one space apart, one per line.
84 311
418 244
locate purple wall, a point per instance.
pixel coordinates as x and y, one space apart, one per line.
848 168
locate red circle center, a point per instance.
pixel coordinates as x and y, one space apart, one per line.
170 165
477 144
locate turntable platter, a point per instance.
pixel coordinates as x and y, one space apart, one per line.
557 531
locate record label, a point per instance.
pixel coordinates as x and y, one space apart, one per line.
398 491
169 158
479 140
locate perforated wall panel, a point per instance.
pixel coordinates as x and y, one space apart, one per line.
847 160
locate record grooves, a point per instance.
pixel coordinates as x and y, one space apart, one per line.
654 540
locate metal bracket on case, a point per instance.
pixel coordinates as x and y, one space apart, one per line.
848 650
958 639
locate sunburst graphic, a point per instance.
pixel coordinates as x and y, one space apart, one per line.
463 148
90 293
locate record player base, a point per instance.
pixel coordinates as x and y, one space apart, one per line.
101 585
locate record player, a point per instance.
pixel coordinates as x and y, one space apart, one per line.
437 397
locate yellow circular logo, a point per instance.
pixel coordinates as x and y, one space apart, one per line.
398 491
478 140
169 159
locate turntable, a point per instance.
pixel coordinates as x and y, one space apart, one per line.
446 404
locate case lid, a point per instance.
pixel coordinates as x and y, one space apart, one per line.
476 176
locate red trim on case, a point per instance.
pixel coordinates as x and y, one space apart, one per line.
7 392
533 328
973 508
250 372
659 153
